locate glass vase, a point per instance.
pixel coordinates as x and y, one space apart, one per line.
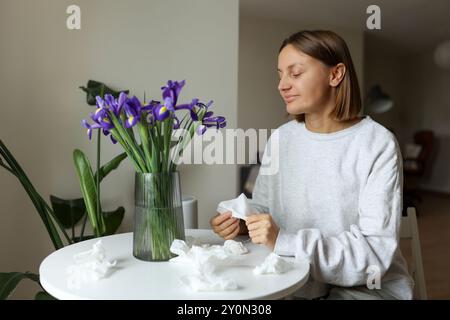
158 215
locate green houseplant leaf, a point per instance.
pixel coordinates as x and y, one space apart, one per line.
10 280
41 206
110 166
89 191
113 219
69 212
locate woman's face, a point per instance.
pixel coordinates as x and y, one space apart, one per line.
304 81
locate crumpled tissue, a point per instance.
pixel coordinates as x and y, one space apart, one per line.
239 207
205 261
273 264
235 247
89 266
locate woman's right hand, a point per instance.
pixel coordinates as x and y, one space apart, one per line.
225 225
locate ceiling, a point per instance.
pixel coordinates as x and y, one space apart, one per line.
406 25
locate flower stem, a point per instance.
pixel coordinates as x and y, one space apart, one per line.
127 139
143 133
97 182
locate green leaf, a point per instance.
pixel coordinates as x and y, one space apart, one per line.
89 190
69 212
110 166
113 219
42 295
41 206
10 280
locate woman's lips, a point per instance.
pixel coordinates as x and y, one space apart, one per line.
289 99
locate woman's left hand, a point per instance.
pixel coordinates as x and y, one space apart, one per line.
262 229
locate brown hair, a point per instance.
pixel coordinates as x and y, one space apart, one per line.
331 49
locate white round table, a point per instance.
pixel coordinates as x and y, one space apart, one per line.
135 279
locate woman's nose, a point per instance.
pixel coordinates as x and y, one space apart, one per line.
283 85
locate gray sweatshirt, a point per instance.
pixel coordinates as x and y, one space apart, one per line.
337 199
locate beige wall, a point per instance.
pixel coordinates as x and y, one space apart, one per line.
260 105
134 44
421 94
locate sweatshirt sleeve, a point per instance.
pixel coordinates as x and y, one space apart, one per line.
343 259
259 201
267 174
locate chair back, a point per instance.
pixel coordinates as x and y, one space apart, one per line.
409 230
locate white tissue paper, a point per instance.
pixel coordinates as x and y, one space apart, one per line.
239 207
208 283
90 266
234 247
273 264
205 260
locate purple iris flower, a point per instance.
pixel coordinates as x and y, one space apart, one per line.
149 110
112 138
204 106
196 108
160 112
101 117
99 114
132 109
171 92
191 107
170 95
176 123
208 114
168 103
100 102
210 121
96 125
89 127
115 104
152 104
208 104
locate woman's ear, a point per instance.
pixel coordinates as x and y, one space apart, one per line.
337 73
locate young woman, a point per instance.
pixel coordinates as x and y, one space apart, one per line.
336 200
